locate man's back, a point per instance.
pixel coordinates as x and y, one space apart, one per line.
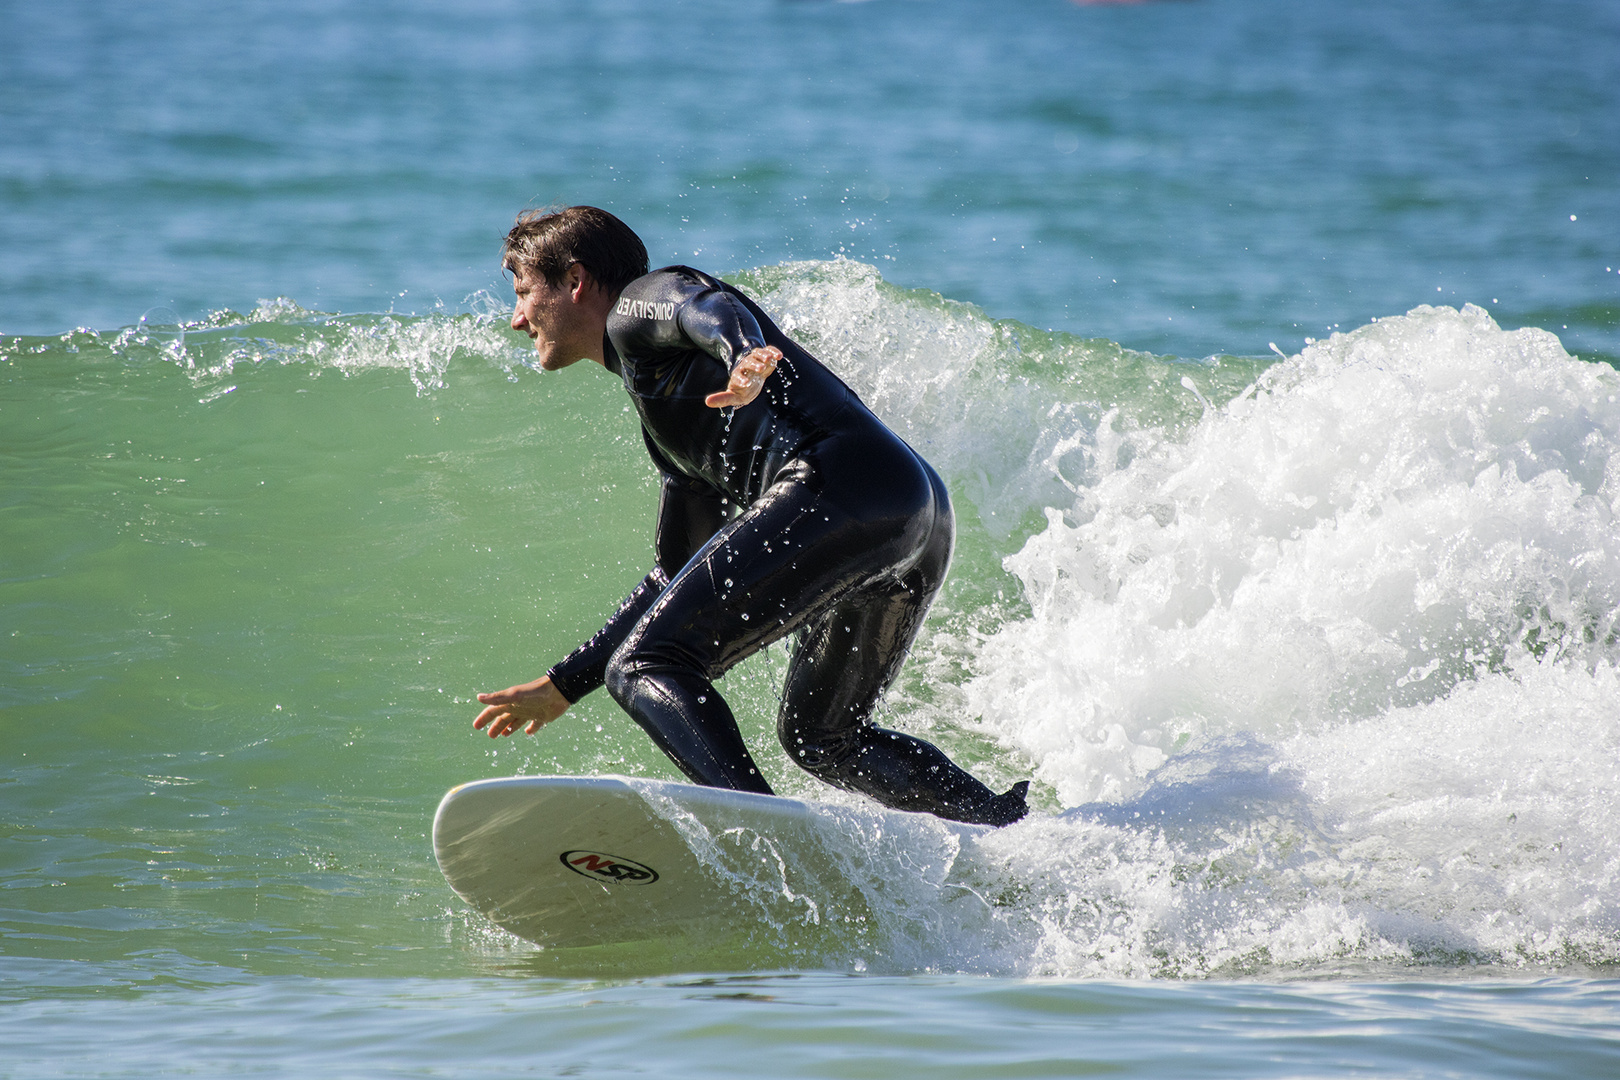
674 334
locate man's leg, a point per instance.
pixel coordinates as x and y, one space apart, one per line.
790 561
691 723
755 581
845 661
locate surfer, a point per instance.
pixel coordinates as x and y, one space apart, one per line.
786 507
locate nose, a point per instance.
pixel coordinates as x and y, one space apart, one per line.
518 321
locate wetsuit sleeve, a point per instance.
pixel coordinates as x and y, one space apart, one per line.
688 514
719 324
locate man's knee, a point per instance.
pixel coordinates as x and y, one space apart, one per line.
824 754
831 763
637 659
621 676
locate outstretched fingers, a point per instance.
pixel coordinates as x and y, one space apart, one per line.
498 717
747 378
535 704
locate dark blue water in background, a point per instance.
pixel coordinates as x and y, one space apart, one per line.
1185 177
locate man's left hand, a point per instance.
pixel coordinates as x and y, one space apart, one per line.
536 703
747 377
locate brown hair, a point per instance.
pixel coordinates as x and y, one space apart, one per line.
548 242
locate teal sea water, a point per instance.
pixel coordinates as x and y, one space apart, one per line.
1268 350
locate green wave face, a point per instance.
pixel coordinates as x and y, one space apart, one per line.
1312 658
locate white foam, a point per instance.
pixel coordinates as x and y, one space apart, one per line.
281 332
1329 674
1419 502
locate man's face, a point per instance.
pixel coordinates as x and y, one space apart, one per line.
551 318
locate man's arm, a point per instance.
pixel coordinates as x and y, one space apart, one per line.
688 514
719 324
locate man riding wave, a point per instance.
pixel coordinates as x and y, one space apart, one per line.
786 507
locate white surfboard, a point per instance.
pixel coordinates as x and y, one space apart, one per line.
568 861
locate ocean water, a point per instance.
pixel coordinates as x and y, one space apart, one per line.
1269 353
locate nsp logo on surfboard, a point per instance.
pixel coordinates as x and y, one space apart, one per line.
594 864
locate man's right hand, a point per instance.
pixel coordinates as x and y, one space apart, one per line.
536 703
753 368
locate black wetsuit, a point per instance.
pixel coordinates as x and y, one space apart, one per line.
844 535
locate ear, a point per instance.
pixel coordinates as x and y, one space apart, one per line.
578 281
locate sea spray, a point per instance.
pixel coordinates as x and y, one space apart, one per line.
280 332
1390 571
993 404
1426 500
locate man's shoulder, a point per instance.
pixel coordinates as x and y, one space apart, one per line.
644 319
659 295
656 295
667 280
687 274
